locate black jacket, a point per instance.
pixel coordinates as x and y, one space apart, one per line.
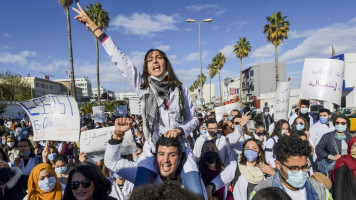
326 146
344 184
16 188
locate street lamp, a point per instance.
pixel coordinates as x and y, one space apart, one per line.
201 67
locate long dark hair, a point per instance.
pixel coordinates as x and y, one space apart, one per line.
278 128
204 168
172 79
29 143
306 124
4 156
102 186
260 159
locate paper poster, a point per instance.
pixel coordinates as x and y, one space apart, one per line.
219 111
322 80
99 114
53 117
281 101
95 140
135 107
120 111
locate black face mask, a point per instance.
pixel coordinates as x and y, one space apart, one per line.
213 133
261 133
210 157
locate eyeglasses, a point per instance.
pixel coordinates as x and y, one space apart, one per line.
236 123
342 123
295 169
75 184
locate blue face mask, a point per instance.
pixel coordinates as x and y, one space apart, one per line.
135 159
52 156
304 110
47 184
299 127
25 154
231 118
283 132
203 132
3 142
340 128
251 155
323 120
297 180
60 170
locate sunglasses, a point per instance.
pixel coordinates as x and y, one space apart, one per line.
75 184
236 123
342 123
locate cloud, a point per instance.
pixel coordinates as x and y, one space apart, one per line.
163 47
6 35
195 56
263 52
174 60
212 8
20 59
235 25
318 44
295 34
228 51
137 58
143 24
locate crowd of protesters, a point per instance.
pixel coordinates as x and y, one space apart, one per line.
182 153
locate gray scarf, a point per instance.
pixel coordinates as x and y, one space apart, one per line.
158 94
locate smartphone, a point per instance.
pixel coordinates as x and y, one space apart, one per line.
247 109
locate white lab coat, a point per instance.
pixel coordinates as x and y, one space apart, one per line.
269 154
295 115
318 130
123 194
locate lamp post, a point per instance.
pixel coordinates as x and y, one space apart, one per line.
201 67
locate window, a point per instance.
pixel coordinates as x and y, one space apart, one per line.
251 73
37 85
42 86
51 87
46 86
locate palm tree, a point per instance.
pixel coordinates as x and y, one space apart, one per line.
212 72
242 49
86 108
277 30
101 18
219 61
65 4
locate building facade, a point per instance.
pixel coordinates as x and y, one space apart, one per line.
127 95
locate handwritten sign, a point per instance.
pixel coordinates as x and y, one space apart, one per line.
95 140
54 117
322 79
281 101
99 114
219 111
120 110
135 107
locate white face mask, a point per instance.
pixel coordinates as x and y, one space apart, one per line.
11 144
47 184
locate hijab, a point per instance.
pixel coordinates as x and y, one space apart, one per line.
347 160
35 193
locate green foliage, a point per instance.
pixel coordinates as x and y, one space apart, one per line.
98 15
110 106
2 130
86 108
277 28
2 108
242 48
219 61
212 70
13 87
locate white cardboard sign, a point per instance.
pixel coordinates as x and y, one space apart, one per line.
99 114
219 111
135 107
53 117
322 79
95 140
281 101
120 110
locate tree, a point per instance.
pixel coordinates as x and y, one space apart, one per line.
13 87
2 109
86 108
65 4
101 18
277 30
219 61
242 49
212 72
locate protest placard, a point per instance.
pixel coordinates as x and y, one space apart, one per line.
219 111
322 79
135 107
120 111
99 114
95 140
281 101
53 117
